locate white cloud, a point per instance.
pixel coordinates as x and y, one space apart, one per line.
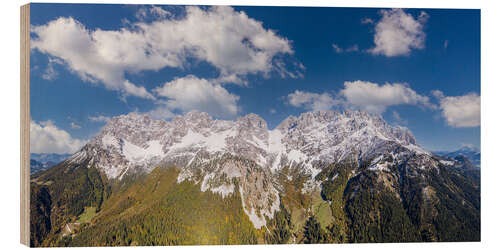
94 56
100 118
193 93
45 137
312 101
460 111
396 115
397 118
397 33
50 73
161 112
367 21
272 111
372 97
282 70
469 146
75 126
376 98
339 50
153 11
352 48
233 43
437 93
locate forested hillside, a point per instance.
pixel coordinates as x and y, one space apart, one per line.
155 209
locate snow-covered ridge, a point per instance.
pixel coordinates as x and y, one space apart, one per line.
139 142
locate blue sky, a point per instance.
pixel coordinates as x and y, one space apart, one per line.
418 68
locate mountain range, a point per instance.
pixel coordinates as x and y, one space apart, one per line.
39 162
472 154
321 177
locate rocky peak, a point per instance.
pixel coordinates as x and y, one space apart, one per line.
404 134
131 118
252 121
197 118
134 127
251 126
345 124
132 123
319 116
288 123
194 120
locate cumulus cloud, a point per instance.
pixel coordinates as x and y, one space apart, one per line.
97 56
312 101
376 98
372 97
99 118
45 137
190 92
398 32
105 56
460 111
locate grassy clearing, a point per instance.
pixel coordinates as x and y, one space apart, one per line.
47 183
322 211
324 214
87 215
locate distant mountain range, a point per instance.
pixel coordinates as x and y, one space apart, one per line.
473 154
39 162
324 176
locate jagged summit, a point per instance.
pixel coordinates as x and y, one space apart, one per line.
252 121
136 141
350 120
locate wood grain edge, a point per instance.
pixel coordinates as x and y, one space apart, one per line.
25 124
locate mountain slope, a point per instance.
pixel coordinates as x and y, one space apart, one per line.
321 177
158 210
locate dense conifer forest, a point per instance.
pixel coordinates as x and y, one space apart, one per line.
83 208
